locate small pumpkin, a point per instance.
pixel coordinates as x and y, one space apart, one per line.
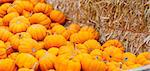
26 14
25 60
114 66
40 53
7 65
47 62
43 7
3 53
66 34
13 56
52 41
66 50
25 69
28 45
2 44
97 53
40 18
1 22
129 58
34 2
58 29
5 1
143 58
74 28
81 48
53 50
37 31
19 24
3 9
16 39
5 34
9 48
57 16
41 44
7 18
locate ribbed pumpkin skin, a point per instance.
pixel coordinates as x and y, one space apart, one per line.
13 56
3 53
36 1
129 58
28 45
7 65
37 31
16 39
74 28
40 18
5 34
3 9
40 53
58 29
53 50
25 69
7 18
143 58
2 44
27 61
42 7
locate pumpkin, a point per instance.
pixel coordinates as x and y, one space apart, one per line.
7 18
20 5
58 29
67 63
74 28
66 34
5 1
4 27
125 67
26 14
113 66
25 60
53 50
129 58
40 18
57 16
7 65
19 24
3 53
81 37
47 62
113 42
2 44
92 44
52 70
16 39
36 1
48 32
92 64
66 50
5 34
97 53
54 24
41 44
3 9
112 53
13 56
80 48
37 31
143 58
52 41
28 45
43 7
40 53
25 69
9 48
1 21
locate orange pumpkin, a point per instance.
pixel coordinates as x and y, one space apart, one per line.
20 5
80 48
74 28
16 39
143 58
40 53
114 66
3 9
26 14
13 56
27 61
3 53
1 21
52 41
7 65
97 54
5 1
19 24
66 34
28 45
5 34
41 44
36 1
57 16
58 29
52 70
113 42
43 7
2 44
9 48
47 62
129 58
7 18
25 69
66 50
37 31
112 53
40 18
53 50
54 24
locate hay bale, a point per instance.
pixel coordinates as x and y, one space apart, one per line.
125 20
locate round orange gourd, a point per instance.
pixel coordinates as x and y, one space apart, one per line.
58 29
25 60
36 1
37 31
54 41
57 16
2 44
80 48
129 58
40 53
13 56
16 39
7 18
66 50
40 18
26 14
5 34
43 7
25 69
5 1
53 50
66 34
47 62
19 24
74 28
3 9
7 65
9 48
3 53
97 54
28 45
143 58
114 66
41 44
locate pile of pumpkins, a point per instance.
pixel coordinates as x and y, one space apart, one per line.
33 38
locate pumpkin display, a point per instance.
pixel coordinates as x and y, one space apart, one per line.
40 53
19 24
2 44
66 34
113 66
3 53
129 58
37 31
66 50
43 7
9 48
143 58
52 41
25 60
97 54
25 69
40 18
28 45
7 18
1 21
5 34
16 39
5 1
36 1
58 29
7 65
74 28
41 44
13 56
47 62
26 14
81 48
53 50
3 9
57 16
